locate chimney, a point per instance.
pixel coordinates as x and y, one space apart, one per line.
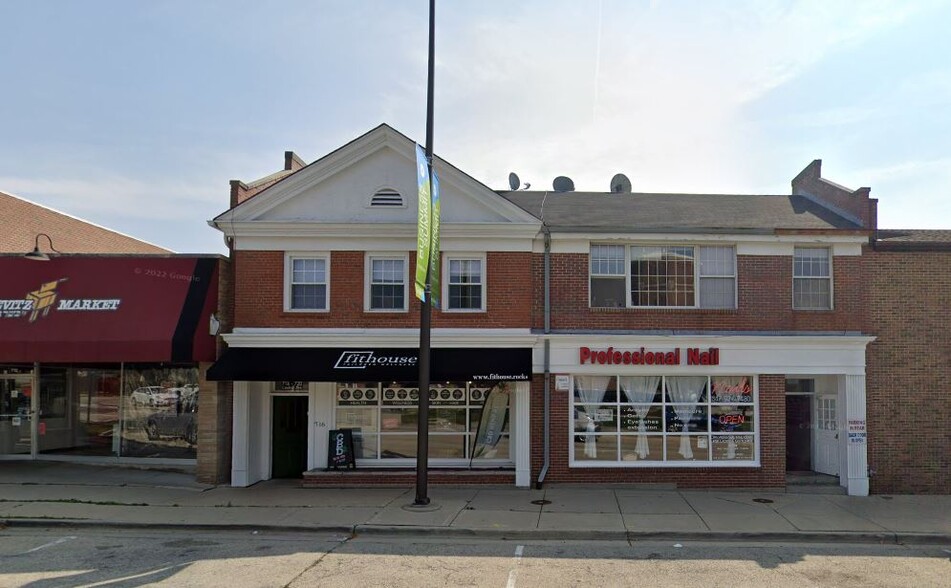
239 192
292 162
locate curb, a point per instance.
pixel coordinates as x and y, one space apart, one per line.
855 537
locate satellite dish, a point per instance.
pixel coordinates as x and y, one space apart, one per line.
563 184
620 184
514 182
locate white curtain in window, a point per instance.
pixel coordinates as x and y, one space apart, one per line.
591 389
640 390
685 391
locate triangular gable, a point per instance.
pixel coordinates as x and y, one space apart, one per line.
338 189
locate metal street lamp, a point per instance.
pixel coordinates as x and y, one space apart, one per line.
36 254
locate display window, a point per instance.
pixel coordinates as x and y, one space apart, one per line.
384 417
664 420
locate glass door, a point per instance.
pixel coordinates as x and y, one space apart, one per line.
16 397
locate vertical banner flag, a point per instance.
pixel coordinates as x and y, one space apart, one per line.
495 412
434 261
424 231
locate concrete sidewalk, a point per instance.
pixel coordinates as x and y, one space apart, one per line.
46 493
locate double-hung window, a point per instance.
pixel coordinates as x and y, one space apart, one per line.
306 286
608 283
678 276
717 277
812 279
386 283
464 281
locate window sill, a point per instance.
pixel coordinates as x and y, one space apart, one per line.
687 465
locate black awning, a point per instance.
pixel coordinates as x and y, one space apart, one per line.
312 364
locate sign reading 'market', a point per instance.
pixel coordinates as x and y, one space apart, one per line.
612 356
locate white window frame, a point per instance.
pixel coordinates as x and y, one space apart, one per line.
625 274
506 462
700 277
368 277
696 274
829 278
617 463
289 257
481 257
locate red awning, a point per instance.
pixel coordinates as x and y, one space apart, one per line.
107 309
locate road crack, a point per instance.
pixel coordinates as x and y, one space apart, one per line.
319 559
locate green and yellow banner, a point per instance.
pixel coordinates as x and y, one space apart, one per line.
427 234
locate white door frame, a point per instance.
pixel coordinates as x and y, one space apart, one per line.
825 441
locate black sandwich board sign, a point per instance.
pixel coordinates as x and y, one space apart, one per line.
340 451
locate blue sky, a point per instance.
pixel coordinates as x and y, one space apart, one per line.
136 114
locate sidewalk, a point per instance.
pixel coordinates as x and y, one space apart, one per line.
45 494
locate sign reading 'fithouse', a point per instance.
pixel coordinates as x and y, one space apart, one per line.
612 356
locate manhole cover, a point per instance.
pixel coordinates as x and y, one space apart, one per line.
763 500
886 497
541 502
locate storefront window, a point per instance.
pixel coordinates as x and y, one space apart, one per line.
160 412
664 419
384 418
16 391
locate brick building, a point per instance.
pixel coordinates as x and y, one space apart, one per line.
104 340
700 340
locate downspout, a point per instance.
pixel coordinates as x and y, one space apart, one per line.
547 414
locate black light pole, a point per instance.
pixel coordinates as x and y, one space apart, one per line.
422 427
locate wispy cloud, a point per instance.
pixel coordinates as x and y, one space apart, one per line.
670 98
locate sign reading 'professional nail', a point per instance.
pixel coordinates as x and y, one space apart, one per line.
643 356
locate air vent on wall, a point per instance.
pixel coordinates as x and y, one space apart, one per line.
387 197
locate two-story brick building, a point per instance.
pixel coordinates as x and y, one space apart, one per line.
690 339
327 330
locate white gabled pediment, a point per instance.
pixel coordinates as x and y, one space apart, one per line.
338 189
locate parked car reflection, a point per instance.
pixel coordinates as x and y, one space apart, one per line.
153 396
180 422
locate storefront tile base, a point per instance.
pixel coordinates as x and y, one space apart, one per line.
376 477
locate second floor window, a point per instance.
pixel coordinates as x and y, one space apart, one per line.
663 276
308 283
465 285
812 279
387 284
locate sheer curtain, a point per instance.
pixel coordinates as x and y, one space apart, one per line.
640 390
591 389
686 391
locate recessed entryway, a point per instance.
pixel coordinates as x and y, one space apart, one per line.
798 433
288 436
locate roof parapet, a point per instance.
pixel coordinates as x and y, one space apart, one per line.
241 191
854 205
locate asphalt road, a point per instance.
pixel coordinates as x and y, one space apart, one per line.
117 558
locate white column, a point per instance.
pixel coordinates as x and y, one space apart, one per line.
240 435
322 415
856 435
522 434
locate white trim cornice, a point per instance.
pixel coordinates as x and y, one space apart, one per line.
746 244
315 229
281 337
